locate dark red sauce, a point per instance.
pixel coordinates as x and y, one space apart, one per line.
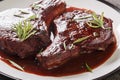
74 66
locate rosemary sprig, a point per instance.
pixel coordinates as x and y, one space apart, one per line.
97 21
20 14
24 30
35 6
15 64
81 39
40 51
88 67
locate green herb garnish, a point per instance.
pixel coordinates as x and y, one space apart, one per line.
24 30
35 6
15 64
40 51
64 45
88 67
18 15
97 21
23 12
81 39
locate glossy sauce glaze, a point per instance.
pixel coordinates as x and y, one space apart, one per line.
94 59
70 27
73 66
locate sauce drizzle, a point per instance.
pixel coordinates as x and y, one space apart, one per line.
94 59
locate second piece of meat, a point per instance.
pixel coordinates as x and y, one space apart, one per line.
69 27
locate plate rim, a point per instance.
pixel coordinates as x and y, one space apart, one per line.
104 2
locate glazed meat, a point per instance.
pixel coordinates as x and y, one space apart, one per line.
74 36
44 11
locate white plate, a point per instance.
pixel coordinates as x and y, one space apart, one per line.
111 64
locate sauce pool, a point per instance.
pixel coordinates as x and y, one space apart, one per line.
73 66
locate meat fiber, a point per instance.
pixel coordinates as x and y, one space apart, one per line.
68 28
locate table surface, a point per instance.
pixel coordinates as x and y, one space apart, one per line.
115 75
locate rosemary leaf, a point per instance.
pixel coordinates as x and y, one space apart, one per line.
88 67
40 51
94 15
90 23
24 30
23 12
64 45
28 35
81 39
97 21
35 6
18 15
101 18
15 65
